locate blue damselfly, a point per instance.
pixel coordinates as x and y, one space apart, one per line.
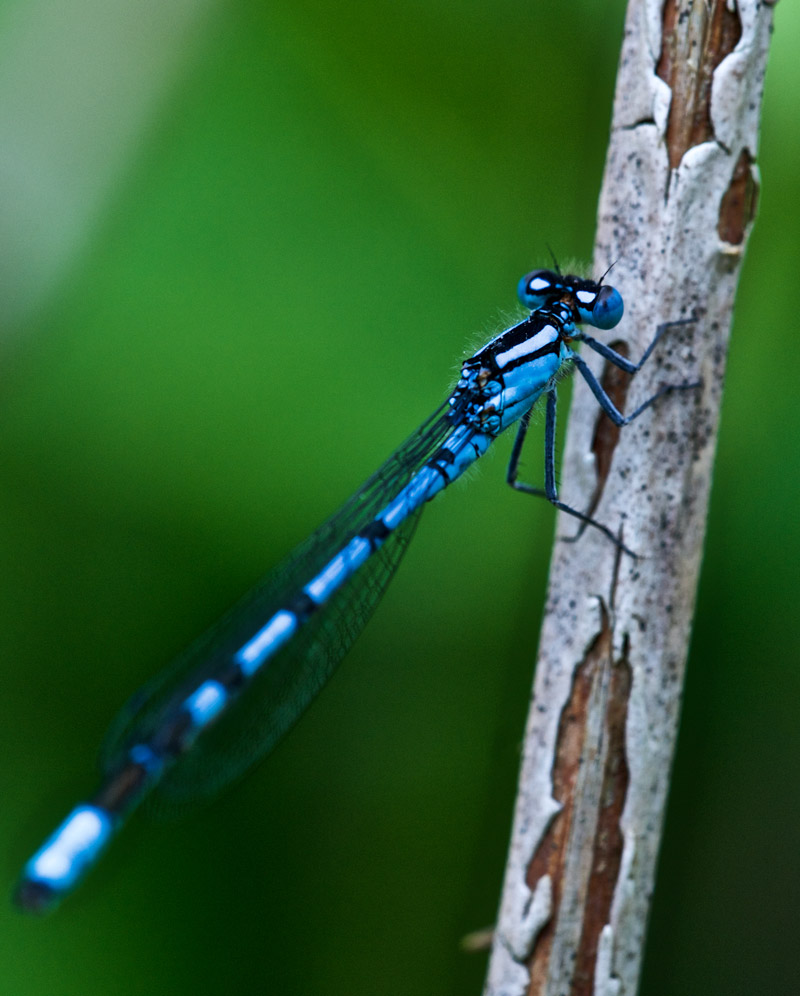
231 696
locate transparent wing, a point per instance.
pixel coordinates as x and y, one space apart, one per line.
279 693
282 692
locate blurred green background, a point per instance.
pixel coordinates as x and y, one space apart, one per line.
244 247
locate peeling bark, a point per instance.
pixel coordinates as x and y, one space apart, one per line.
677 204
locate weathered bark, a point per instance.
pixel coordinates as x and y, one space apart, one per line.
677 204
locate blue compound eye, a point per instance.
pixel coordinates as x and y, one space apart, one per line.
538 288
608 308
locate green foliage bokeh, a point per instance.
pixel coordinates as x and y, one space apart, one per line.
322 209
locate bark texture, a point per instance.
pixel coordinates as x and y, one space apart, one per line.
677 203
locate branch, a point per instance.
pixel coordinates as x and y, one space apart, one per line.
676 207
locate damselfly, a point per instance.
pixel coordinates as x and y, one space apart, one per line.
230 698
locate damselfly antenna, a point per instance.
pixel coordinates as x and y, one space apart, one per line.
556 267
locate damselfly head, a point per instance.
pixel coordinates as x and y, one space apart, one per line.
596 303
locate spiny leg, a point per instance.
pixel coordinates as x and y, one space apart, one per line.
550 491
622 361
625 364
608 405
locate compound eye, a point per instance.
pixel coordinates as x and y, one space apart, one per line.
608 308
537 288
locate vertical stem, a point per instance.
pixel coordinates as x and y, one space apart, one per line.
677 204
